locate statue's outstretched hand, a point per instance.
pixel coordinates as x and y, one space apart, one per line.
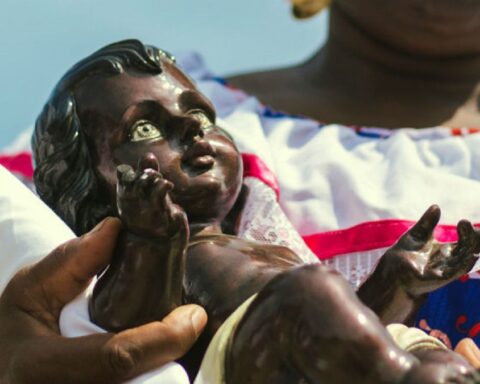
31 347
143 201
422 264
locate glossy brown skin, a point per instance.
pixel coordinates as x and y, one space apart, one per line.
155 227
203 169
441 366
332 337
32 349
311 315
192 170
417 264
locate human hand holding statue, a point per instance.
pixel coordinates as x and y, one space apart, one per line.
31 347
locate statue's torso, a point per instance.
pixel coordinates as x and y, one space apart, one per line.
223 271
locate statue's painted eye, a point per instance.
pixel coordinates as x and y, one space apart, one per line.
206 124
144 130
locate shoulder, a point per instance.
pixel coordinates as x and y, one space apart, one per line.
288 90
264 84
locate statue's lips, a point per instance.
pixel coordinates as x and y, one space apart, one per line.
199 155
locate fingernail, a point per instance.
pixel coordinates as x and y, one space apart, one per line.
199 319
99 226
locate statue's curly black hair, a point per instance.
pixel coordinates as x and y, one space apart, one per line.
65 177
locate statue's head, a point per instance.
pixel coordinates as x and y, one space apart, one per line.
115 106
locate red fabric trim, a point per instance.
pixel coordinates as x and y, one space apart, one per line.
20 162
368 236
362 237
463 131
254 166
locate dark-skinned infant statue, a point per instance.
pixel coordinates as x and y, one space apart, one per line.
126 133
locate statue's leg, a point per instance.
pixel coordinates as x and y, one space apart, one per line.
441 366
309 324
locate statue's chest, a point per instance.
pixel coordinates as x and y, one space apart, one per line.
220 274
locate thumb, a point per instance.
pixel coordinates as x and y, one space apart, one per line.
111 358
69 268
186 323
138 350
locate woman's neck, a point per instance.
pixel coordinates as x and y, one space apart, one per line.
351 53
387 87
356 80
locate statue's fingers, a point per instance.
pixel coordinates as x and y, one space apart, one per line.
125 174
467 238
157 195
423 229
147 181
164 187
466 249
181 222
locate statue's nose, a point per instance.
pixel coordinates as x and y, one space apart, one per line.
191 129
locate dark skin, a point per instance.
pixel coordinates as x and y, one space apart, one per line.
172 203
32 351
392 64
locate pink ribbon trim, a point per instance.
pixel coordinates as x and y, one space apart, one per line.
368 236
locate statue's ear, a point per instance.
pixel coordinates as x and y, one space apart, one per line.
232 220
64 176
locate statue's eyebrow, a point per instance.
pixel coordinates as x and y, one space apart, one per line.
192 99
145 109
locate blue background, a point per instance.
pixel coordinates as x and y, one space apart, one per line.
41 39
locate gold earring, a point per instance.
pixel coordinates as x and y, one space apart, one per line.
303 9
